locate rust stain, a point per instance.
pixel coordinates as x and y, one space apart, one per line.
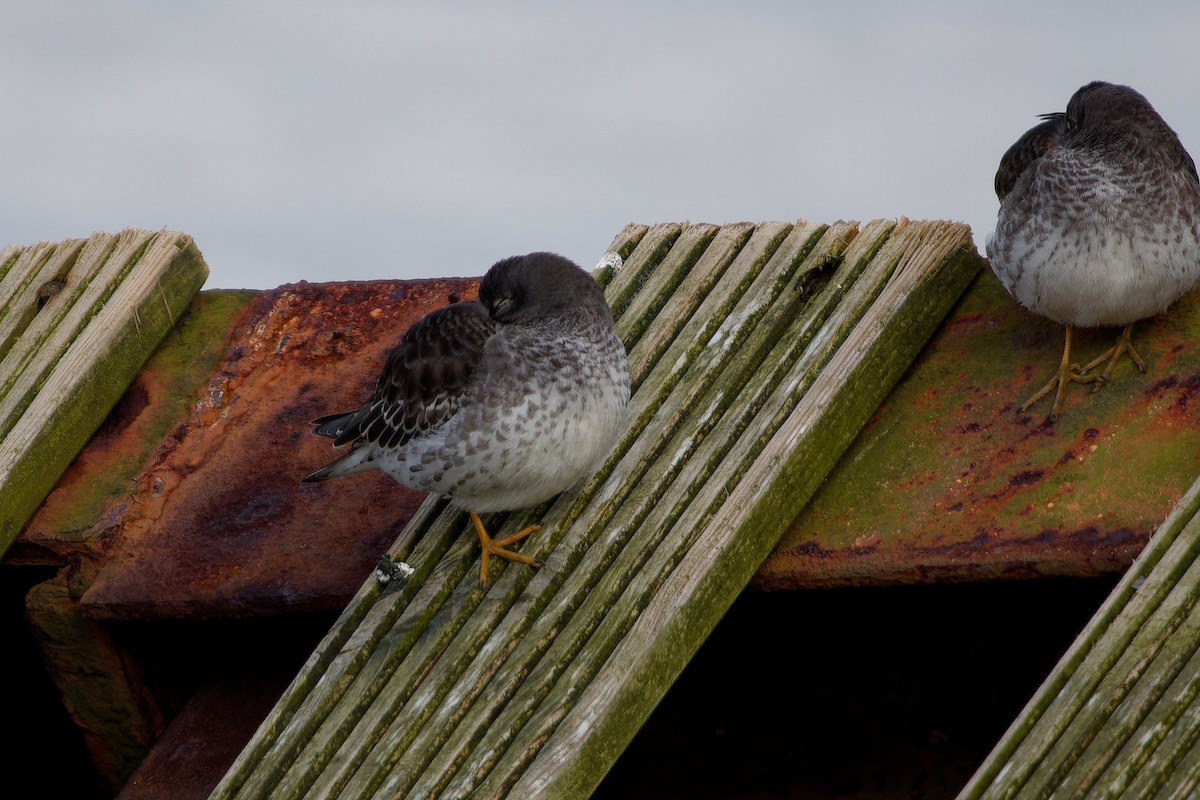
48 538
953 483
100 475
219 523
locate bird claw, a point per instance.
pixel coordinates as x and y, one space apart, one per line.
499 547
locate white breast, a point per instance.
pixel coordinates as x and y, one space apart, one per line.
1094 256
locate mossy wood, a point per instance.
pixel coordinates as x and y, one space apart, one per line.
106 469
758 352
78 320
1119 716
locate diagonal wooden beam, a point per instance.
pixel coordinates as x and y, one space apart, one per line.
1119 716
758 353
78 320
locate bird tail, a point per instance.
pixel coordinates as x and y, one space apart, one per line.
359 459
332 425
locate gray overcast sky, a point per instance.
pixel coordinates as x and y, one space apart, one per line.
349 140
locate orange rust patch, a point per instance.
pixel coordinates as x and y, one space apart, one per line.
219 524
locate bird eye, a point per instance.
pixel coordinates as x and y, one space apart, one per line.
502 307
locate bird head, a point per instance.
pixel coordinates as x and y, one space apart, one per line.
538 285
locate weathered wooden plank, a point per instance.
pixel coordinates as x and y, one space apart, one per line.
471 714
631 275
72 361
8 257
659 287
651 249
1109 708
20 265
440 688
385 713
1127 692
41 344
602 600
622 246
1184 780
360 670
740 519
1156 749
21 286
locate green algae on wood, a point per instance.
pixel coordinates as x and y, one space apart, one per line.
1119 716
758 353
622 246
24 290
741 522
168 383
74 358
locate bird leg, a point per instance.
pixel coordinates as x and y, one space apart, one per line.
1067 373
1113 355
497 547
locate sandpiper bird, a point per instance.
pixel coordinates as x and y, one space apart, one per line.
498 403
1099 222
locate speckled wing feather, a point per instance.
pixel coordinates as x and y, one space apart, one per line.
1184 160
422 383
1025 152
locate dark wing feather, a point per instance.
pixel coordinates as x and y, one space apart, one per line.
1025 152
422 383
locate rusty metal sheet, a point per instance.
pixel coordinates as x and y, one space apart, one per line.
950 482
219 524
98 479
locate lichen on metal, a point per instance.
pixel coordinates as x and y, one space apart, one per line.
758 352
989 492
79 319
161 394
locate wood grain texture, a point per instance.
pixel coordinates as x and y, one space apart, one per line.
1119 715
758 352
71 349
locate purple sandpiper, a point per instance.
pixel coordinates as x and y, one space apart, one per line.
498 403
1099 222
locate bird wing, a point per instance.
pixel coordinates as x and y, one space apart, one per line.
1026 151
1184 160
423 382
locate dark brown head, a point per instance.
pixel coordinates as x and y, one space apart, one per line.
537 286
1107 118
1106 114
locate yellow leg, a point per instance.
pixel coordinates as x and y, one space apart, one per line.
498 547
1067 373
1113 355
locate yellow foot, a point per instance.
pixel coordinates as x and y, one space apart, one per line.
1113 355
1067 373
498 547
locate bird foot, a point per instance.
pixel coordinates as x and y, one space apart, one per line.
1067 373
1113 355
499 547
1070 373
